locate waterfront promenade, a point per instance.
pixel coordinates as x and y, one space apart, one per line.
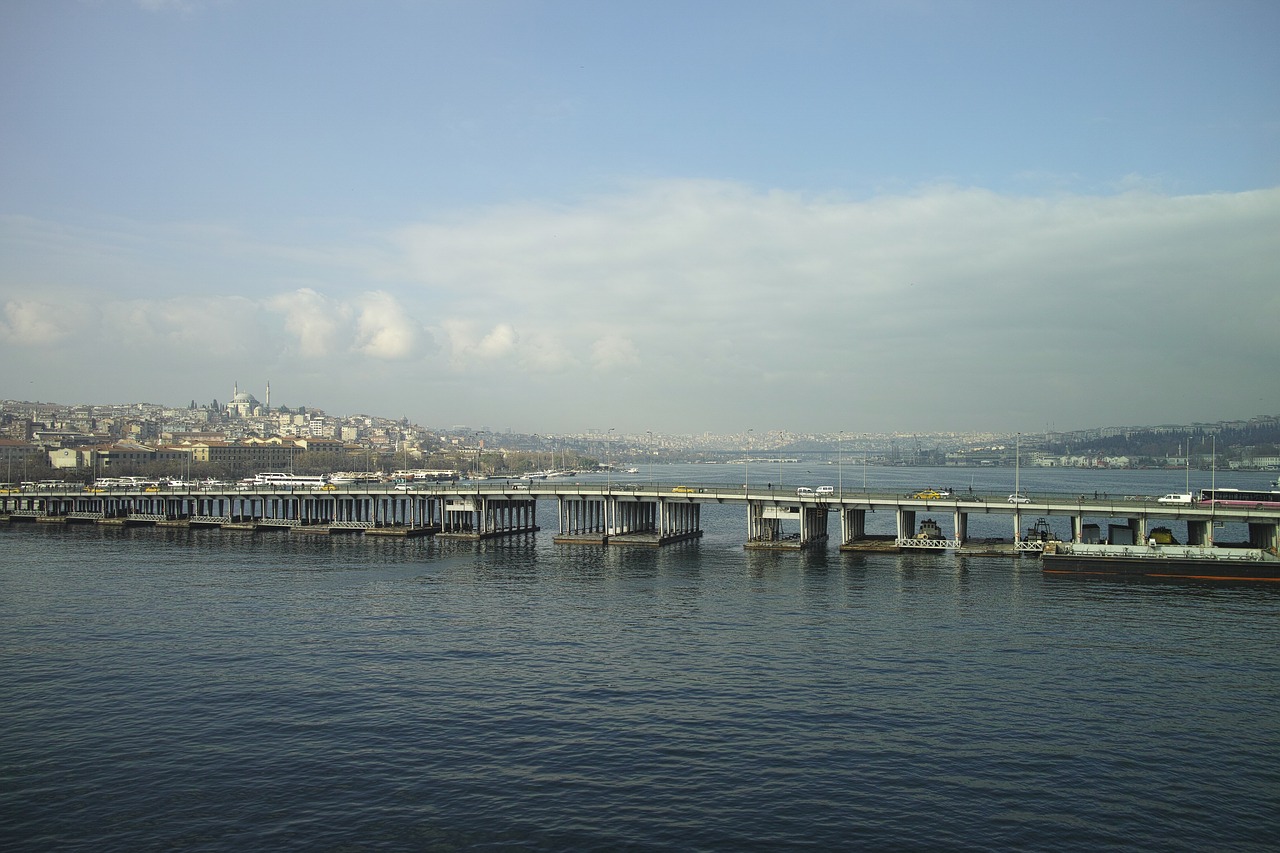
652 514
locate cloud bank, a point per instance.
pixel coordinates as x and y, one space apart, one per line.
707 297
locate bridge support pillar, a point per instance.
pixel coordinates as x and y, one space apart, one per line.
484 517
853 525
765 522
1199 532
582 520
906 523
1264 535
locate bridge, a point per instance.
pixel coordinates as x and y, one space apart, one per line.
648 514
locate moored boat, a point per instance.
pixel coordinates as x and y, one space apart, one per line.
1185 561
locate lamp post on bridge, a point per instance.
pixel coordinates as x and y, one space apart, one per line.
1017 464
650 457
608 452
866 439
840 463
746 465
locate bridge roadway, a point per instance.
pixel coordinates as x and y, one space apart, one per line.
630 514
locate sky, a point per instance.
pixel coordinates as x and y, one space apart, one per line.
678 217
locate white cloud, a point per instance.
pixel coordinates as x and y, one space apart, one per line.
501 341
318 323
31 323
614 352
469 347
383 330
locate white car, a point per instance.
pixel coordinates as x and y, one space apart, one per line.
826 490
1019 498
1176 498
804 491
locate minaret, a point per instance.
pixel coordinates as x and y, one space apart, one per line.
268 406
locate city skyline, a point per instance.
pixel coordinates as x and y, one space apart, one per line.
670 217
244 414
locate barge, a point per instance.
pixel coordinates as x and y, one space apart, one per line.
1161 561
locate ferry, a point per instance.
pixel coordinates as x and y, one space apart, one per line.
284 481
125 483
353 478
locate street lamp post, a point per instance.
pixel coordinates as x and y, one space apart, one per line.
840 463
650 458
608 453
866 439
1017 464
608 502
1213 462
746 464
1213 483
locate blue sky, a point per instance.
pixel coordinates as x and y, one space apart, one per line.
684 217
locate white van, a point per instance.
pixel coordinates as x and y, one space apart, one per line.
804 491
1177 498
826 490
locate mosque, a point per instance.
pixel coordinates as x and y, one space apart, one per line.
245 405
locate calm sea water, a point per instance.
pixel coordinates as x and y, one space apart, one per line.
202 690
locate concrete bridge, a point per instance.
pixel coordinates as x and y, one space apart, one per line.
634 514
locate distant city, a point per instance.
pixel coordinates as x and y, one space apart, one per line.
243 435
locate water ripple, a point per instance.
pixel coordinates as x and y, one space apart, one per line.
197 691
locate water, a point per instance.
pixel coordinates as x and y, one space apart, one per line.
202 690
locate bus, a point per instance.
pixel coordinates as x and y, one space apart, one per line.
1241 497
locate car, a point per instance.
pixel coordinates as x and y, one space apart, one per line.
826 490
685 489
804 491
1019 498
926 495
1176 498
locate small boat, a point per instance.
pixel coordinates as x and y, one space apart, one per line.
929 533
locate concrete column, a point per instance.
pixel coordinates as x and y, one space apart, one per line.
907 523
853 524
1263 534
